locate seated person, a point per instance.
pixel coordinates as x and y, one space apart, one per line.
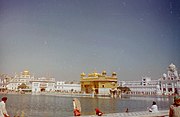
154 107
98 112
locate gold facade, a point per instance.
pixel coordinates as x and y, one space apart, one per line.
93 82
25 74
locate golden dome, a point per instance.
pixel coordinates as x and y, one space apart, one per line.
25 72
114 74
95 74
104 73
83 74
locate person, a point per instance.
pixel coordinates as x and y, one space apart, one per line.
174 110
98 112
154 107
127 110
77 107
3 112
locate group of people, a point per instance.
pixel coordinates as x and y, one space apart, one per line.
77 108
174 110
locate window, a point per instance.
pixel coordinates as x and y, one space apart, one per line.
50 84
35 84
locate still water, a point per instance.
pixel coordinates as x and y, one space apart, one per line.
56 106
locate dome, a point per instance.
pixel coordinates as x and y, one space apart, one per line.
83 74
114 73
164 75
104 73
172 67
95 74
25 72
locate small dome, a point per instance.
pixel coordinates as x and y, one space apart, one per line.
83 74
104 73
164 75
172 67
95 74
114 73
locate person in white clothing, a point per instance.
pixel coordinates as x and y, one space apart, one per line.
3 112
154 107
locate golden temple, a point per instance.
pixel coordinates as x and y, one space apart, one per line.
99 83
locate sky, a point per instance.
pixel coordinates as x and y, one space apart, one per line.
63 38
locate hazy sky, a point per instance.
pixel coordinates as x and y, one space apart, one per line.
63 38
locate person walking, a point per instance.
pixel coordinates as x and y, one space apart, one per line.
154 107
3 112
174 110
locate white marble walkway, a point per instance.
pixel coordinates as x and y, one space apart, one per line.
161 113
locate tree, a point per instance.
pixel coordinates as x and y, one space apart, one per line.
22 86
124 89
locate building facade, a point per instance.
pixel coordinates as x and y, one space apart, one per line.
4 81
24 78
145 86
168 84
43 84
62 86
98 83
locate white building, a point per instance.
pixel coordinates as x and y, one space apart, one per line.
62 86
43 84
145 86
167 85
24 78
170 83
4 81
